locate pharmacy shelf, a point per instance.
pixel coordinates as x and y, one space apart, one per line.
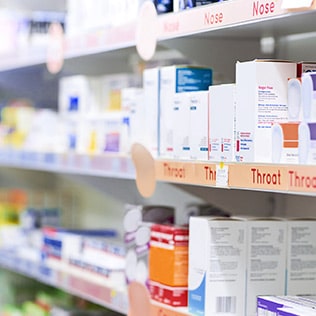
281 178
107 165
256 19
300 179
79 284
100 41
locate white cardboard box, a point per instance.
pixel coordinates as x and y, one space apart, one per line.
151 79
266 259
177 79
222 105
198 130
301 263
217 258
181 126
261 87
307 143
78 95
285 142
133 104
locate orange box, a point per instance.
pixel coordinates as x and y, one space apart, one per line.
168 255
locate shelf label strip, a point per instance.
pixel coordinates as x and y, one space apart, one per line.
205 18
258 176
301 179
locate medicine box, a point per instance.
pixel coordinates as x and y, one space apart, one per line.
174 80
151 83
261 87
198 127
301 249
168 255
285 142
217 266
133 105
266 259
222 107
285 305
168 264
79 95
307 143
181 127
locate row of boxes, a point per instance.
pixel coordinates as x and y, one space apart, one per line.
219 264
260 118
234 260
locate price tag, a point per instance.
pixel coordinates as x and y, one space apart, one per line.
296 4
221 175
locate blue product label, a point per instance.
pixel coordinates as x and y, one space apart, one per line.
193 79
196 299
73 103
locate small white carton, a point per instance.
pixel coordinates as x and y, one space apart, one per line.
198 129
307 143
181 126
285 142
217 270
261 87
222 105
133 105
266 259
78 95
301 263
151 81
177 79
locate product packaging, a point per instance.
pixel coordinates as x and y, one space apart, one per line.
137 223
261 88
307 143
217 266
301 266
168 264
78 95
266 259
222 108
285 142
173 81
151 82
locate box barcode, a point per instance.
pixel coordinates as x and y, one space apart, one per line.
226 304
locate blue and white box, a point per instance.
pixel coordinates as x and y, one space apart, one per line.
175 80
217 266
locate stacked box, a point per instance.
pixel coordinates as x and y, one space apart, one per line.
217 261
168 264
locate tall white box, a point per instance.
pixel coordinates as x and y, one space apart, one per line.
198 128
151 82
222 105
133 105
217 266
266 259
301 262
175 80
181 126
261 87
78 95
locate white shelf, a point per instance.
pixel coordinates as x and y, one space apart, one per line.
198 21
104 295
110 165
